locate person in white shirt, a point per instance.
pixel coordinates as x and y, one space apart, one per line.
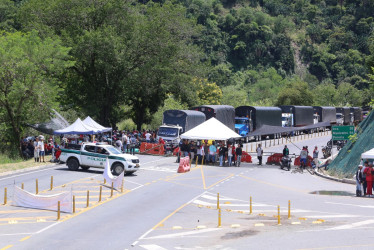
42 152
148 137
229 154
119 145
36 149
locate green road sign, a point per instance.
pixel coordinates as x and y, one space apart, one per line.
342 132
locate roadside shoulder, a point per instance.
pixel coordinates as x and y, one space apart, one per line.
50 165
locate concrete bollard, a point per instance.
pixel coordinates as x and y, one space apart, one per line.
219 217
88 198
73 204
36 186
5 196
218 201
250 205
289 209
58 211
51 183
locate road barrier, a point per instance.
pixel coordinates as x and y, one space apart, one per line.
73 204
51 183
219 217
250 205
152 148
58 211
5 196
184 165
88 198
36 186
217 200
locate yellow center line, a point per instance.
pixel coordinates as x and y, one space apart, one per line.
167 217
275 185
6 247
231 175
26 238
203 177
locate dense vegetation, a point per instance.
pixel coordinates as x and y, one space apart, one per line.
117 60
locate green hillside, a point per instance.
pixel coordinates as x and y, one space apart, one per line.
125 60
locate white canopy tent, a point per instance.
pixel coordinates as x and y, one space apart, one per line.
78 127
211 129
90 122
368 154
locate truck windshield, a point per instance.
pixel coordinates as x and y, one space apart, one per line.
113 150
167 132
284 118
240 121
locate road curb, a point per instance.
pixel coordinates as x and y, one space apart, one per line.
329 177
51 164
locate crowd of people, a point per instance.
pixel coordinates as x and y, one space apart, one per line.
364 179
37 147
209 152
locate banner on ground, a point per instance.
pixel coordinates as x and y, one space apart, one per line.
108 176
22 198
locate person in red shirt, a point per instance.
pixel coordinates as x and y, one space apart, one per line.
369 179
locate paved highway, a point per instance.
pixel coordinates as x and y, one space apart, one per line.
160 209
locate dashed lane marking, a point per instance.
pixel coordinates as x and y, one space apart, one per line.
183 234
25 238
6 247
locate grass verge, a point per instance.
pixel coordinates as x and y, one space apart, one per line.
7 164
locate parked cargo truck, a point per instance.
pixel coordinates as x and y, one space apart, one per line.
344 115
223 113
325 114
177 122
250 118
296 116
357 114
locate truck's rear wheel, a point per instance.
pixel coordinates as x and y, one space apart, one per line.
117 168
85 168
73 164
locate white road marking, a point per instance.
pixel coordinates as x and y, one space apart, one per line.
15 234
160 169
204 203
31 172
150 230
176 235
347 204
353 225
334 216
154 161
152 247
208 197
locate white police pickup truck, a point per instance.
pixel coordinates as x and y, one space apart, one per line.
95 155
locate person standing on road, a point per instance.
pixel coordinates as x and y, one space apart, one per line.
369 179
41 147
222 154
148 137
364 183
233 154
286 151
303 157
132 144
239 153
36 149
185 148
206 151
260 153
124 141
315 156
119 145
229 154
358 180
212 153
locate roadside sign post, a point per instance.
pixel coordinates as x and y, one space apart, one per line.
341 133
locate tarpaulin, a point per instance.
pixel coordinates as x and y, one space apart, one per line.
108 176
22 198
270 130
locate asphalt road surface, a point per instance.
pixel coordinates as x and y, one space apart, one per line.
161 209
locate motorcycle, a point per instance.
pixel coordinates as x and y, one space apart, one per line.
285 162
326 151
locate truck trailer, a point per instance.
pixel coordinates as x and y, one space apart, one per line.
223 113
296 116
357 114
250 118
345 114
177 122
325 114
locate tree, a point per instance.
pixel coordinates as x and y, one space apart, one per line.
346 94
29 67
127 54
295 92
206 92
324 94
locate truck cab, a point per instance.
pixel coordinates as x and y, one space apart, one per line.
170 133
287 120
339 118
243 126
